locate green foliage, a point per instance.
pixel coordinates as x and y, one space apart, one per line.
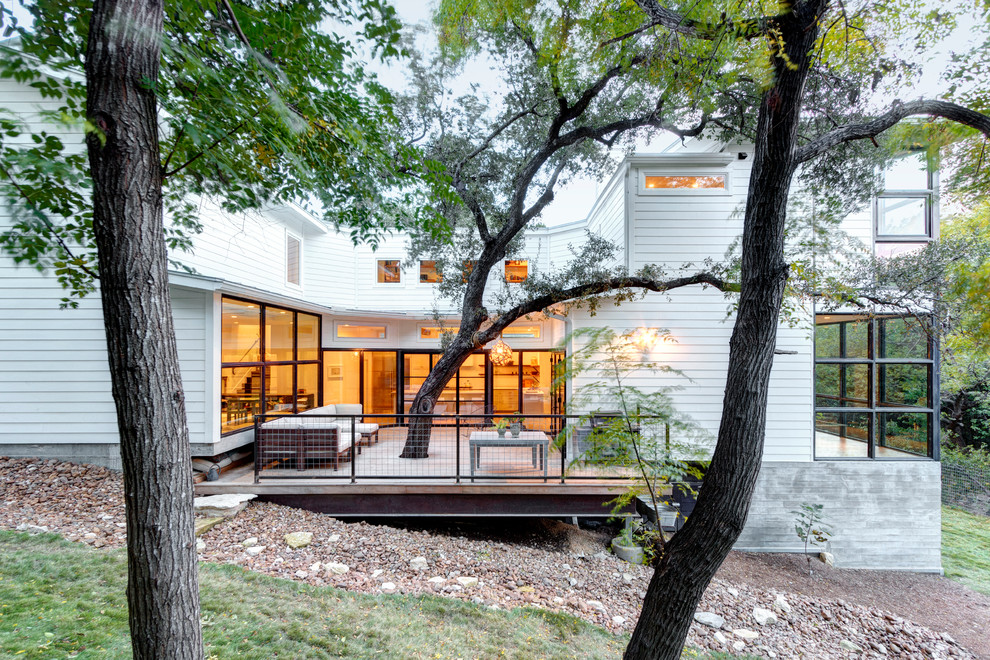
811 528
966 548
648 438
60 599
260 106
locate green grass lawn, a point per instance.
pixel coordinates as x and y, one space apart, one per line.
60 599
966 548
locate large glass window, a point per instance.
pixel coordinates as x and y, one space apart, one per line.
389 271
270 362
873 388
685 181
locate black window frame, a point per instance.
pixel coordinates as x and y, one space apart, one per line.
874 409
264 364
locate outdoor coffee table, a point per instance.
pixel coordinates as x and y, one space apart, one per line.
536 440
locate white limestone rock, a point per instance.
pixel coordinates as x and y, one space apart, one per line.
618 620
255 550
437 580
709 619
302 575
764 617
595 605
222 506
745 633
827 558
468 581
721 638
781 605
388 586
336 568
846 645
419 564
298 539
250 541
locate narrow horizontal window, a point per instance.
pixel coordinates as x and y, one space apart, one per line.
357 331
668 182
531 331
435 332
389 271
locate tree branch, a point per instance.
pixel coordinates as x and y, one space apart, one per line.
51 228
540 303
898 112
749 28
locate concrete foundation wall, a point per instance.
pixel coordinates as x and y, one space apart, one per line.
107 455
885 514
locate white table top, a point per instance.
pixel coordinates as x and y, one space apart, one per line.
531 436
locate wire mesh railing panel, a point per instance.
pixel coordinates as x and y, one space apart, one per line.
966 487
444 448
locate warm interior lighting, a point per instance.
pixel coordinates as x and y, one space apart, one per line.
501 354
672 182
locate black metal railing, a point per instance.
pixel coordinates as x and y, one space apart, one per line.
456 448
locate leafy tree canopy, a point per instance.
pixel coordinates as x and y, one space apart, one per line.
262 103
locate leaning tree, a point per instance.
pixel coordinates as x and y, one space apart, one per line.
796 82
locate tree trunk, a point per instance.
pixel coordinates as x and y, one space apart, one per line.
696 552
418 438
122 60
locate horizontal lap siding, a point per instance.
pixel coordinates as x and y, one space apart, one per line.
670 231
329 269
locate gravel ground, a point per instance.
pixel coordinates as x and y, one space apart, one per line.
551 565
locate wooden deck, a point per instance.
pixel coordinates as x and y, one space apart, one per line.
379 483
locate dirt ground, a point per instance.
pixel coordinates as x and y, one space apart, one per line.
930 600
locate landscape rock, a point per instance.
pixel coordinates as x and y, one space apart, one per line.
203 525
298 540
850 646
764 617
827 558
467 581
745 633
221 506
419 564
388 586
738 645
85 503
709 619
781 605
250 541
337 568
255 550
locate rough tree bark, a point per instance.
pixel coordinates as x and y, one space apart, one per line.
699 548
122 60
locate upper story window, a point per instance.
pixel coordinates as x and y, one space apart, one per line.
293 249
428 272
389 271
904 217
873 388
436 332
681 181
516 270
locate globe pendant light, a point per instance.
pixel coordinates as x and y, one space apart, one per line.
501 353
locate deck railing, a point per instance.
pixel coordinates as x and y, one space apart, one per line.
461 448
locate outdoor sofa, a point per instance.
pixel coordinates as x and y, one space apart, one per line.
316 435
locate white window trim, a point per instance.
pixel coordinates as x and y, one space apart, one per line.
666 192
905 238
360 340
299 239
